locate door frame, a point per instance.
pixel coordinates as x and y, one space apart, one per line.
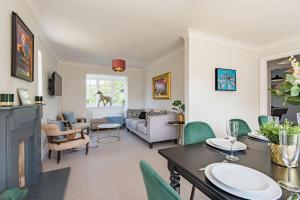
265 99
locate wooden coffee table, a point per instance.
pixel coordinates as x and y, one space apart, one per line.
109 138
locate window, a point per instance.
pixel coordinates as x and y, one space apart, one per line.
111 86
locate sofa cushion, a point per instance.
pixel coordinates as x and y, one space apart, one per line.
142 128
99 120
134 122
142 115
70 116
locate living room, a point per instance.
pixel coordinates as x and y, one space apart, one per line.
135 75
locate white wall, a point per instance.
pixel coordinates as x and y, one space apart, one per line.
216 107
173 63
10 84
74 91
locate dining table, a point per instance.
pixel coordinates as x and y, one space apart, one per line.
185 161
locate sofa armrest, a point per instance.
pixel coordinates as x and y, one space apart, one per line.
159 129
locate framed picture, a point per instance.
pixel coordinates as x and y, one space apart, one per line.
22 50
24 96
225 79
161 86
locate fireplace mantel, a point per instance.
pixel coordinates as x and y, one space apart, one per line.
17 124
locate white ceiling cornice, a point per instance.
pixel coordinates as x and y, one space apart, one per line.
219 39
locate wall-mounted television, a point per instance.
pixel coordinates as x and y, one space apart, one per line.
55 84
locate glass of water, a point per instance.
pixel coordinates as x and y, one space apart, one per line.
298 118
232 128
273 119
290 147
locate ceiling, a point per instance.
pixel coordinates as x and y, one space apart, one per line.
141 31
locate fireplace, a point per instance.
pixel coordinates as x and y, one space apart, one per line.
20 146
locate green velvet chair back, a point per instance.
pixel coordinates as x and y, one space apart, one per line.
262 119
244 129
156 187
195 132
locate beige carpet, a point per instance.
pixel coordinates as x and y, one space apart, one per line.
111 171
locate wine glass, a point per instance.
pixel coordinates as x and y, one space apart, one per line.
290 147
232 128
273 119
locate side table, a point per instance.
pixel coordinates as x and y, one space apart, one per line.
180 130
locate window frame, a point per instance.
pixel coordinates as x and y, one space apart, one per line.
112 78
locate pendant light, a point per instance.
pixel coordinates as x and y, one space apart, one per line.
118 65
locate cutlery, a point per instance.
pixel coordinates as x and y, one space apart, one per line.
211 148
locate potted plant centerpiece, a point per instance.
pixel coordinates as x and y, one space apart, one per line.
271 131
180 108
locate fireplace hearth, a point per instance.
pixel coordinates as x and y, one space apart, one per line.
20 146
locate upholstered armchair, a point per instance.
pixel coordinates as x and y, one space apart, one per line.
63 140
70 121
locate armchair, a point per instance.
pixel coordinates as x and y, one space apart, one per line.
71 139
71 122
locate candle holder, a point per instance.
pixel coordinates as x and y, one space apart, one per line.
38 99
6 100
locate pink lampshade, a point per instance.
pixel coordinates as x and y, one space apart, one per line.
118 65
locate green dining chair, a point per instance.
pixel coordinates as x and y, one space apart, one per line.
195 132
262 119
156 187
244 128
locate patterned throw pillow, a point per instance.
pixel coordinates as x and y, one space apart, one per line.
154 113
134 113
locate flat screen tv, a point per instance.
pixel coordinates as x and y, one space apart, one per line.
55 84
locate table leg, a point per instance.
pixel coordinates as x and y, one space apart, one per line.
174 178
175 181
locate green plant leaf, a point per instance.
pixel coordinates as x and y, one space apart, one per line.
290 78
295 90
285 87
293 100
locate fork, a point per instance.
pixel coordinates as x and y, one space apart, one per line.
203 168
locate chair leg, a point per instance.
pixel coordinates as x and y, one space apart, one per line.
192 193
88 131
86 148
49 154
58 156
175 141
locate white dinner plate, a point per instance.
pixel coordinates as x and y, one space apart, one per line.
257 135
230 175
225 144
238 181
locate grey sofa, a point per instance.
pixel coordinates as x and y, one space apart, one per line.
154 129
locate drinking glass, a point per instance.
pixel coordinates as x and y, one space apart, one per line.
290 147
273 119
298 118
232 128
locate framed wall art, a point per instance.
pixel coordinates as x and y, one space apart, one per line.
22 50
225 79
161 86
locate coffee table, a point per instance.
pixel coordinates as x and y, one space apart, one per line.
110 127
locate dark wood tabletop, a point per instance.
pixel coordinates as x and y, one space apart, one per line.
186 160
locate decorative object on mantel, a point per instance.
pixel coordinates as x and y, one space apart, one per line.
22 50
6 100
289 89
104 99
271 131
118 65
24 97
38 99
14 194
180 108
225 79
161 86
